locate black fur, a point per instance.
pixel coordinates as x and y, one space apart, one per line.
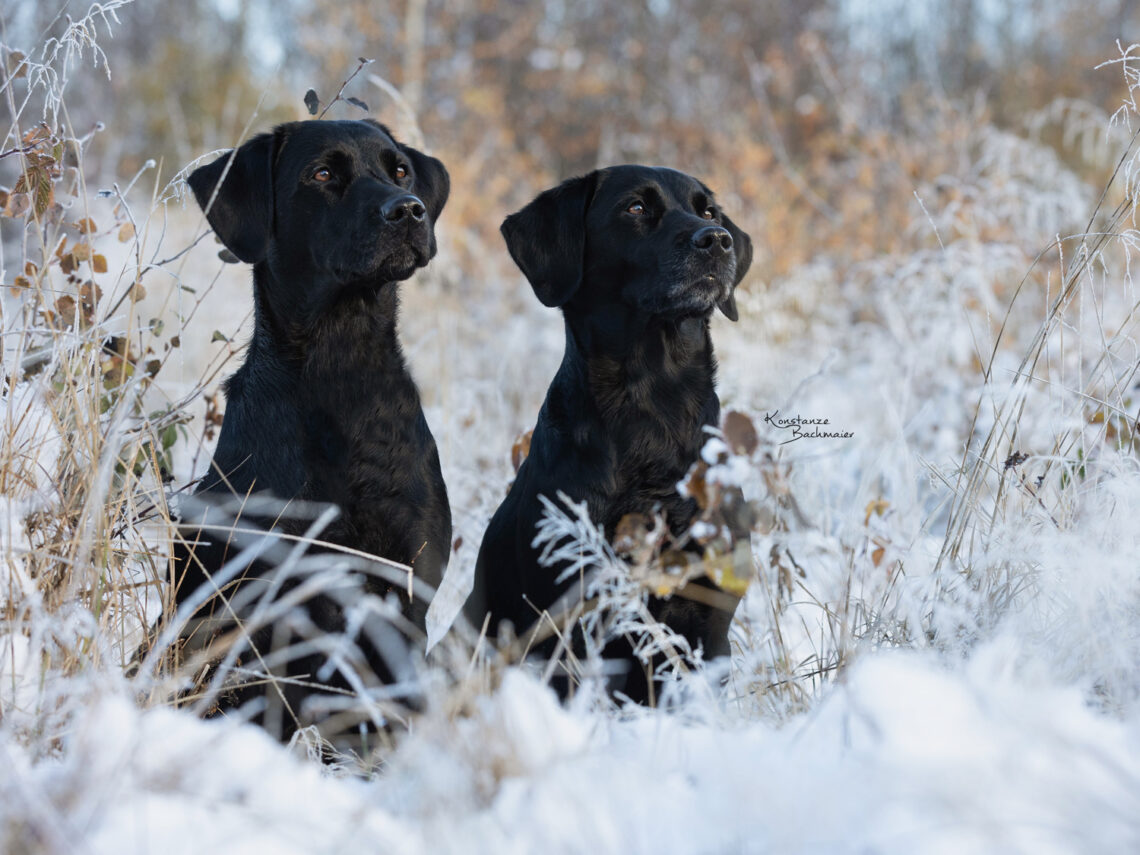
324 408
624 416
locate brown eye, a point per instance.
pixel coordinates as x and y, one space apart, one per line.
401 173
636 208
322 175
708 213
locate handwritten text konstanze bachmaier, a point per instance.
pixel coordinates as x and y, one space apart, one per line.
806 428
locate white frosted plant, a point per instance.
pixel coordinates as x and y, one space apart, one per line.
611 597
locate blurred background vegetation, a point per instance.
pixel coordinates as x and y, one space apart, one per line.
823 117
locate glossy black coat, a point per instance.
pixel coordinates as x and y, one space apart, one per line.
332 215
638 258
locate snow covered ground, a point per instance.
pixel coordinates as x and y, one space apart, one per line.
907 754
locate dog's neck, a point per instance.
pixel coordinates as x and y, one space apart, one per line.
655 374
363 314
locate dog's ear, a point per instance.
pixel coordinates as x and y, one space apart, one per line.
433 185
742 247
547 239
240 210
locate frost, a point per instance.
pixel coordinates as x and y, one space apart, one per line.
938 648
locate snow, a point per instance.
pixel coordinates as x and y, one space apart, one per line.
906 755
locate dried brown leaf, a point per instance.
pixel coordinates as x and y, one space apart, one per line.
36 135
696 486
740 433
44 193
520 450
89 296
65 307
875 506
18 204
17 68
631 536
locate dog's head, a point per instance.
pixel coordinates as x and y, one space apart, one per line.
337 201
652 239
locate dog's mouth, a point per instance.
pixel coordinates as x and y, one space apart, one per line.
390 261
700 294
400 252
709 282
402 262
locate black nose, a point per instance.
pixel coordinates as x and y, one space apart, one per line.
712 239
400 207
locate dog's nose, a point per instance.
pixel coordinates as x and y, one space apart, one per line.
712 239
407 205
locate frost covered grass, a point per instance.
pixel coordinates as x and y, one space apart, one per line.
937 648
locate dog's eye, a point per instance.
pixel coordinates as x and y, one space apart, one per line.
322 175
709 213
636 208
401 172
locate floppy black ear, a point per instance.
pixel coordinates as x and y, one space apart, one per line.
547 239
240 211
742 247
433 185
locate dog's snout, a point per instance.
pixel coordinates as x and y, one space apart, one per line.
712 239
401 207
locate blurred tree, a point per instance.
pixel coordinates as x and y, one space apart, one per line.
802 107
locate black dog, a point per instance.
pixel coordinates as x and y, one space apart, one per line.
637 258
332 215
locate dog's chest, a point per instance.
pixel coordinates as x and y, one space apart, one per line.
364 427
367 446
653 432
647 467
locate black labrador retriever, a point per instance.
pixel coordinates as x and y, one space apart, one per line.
332 215
637 258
